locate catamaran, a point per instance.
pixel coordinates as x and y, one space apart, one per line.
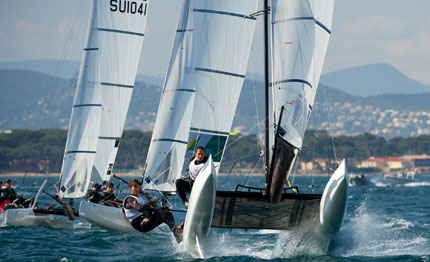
199 98
102 97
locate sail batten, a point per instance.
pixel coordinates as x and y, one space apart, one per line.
110 30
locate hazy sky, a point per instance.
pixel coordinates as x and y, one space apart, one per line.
363 32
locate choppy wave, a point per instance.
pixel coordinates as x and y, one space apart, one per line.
372 234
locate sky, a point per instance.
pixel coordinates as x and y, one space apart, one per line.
363 32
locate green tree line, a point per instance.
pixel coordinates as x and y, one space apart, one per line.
42 150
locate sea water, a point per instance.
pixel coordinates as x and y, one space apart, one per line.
383 222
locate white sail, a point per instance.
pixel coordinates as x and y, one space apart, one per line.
120 28
169 138
300 34
222 42
81 145
105 82
202 86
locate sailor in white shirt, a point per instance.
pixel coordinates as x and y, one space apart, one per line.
145 215
185 184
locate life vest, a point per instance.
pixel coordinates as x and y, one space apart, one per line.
132 213
194 168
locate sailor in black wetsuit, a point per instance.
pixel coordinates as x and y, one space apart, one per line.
185 184
8 192
108 197
93 196
145 216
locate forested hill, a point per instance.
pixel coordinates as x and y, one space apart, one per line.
33 100
42 150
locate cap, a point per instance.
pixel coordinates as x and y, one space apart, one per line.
96 185
8 181
134 182
110 184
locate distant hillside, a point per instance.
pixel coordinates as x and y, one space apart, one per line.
372 80
34 100
57 68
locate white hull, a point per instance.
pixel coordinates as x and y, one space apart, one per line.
26 217
110 218
333 205
200 210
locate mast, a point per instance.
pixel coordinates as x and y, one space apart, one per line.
266 90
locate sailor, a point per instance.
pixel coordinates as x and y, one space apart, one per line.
145 216
93 195
108 197
185 184
8 192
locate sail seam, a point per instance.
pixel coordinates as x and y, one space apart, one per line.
223 13
219 72
119 31
209 131
84 105
118 85
170 140
294 81
305 18
91 49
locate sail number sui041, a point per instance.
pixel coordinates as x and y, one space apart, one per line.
130 7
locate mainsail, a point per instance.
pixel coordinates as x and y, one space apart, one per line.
223 35
203 85
300 35
169 139
121 34
105 83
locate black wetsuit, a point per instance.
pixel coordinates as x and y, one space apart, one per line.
8 194
151 217
109 199
93 196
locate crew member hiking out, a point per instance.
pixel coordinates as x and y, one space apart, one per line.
185 184
145 216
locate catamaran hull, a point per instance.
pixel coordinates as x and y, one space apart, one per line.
106 217
27 217
333 205
200 210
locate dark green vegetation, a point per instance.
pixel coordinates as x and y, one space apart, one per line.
42 150
33 100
